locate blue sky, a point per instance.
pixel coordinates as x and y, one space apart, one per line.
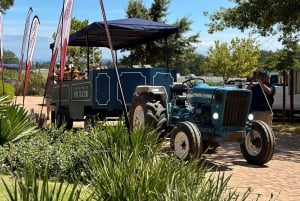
48 12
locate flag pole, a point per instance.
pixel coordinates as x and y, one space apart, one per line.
116 70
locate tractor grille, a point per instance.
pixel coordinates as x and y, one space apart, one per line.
236 108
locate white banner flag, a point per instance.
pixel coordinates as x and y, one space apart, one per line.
31 46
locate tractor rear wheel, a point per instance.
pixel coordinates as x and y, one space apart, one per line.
186 141
63 118
260 149
145 110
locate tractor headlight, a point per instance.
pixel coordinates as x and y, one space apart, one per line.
215 116
250 117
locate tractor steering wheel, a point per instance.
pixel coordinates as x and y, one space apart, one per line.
192 81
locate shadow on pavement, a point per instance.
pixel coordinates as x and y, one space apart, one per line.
287 148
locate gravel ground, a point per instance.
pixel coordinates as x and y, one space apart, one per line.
39 105
32 102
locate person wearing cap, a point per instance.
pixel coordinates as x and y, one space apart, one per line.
262 96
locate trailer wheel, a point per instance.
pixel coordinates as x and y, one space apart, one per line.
261 149
186 141
145 110
63 118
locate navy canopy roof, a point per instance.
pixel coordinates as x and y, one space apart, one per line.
124 33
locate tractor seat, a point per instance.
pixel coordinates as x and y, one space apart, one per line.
178 87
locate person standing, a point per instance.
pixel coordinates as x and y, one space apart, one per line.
262 96
48 103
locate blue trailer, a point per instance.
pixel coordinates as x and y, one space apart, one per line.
98 96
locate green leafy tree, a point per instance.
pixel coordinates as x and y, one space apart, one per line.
155 53
80 54
264 57
10 57
244 58
285 59
219 60
197 64
191 62
268 17
239 59
136 8
5 4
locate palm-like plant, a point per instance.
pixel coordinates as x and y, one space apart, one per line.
14 122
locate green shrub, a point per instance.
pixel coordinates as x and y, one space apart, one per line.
65 151
36 85
30 186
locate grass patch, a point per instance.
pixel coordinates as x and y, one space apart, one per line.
30 186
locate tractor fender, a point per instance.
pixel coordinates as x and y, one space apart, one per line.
158 92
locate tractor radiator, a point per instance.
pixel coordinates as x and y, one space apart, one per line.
236 108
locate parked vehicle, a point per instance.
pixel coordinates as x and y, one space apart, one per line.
277 80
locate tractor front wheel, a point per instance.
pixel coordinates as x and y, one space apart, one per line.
186 141
259 148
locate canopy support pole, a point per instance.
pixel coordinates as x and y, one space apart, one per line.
116 70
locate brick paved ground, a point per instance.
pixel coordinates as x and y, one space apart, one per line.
279 179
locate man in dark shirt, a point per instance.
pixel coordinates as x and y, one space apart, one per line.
262 97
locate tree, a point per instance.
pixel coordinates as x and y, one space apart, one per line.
5 4
190 63
239 59
265 17
10 57
80 54
155 53
197 64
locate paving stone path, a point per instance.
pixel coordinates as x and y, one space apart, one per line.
277 180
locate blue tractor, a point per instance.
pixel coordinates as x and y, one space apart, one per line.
200 117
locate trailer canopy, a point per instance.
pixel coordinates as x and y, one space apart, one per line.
124 33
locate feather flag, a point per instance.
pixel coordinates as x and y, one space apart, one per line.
31 46
25 38
65 32
55 52
1 51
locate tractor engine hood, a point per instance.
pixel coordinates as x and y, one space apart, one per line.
230 104
204 94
